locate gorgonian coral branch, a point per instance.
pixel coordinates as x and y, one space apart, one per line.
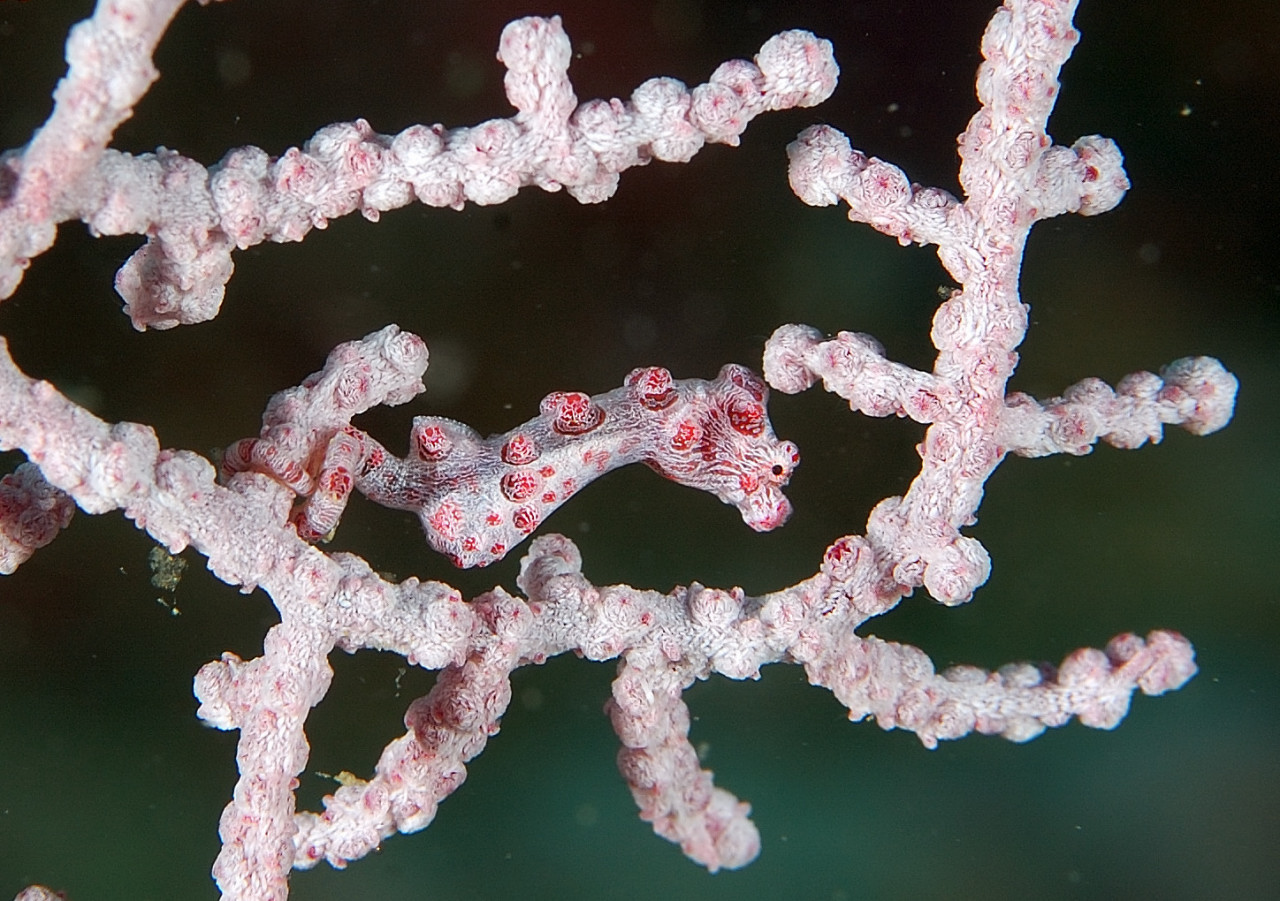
32 512
194 218
1013 175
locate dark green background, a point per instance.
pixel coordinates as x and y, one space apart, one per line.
110 787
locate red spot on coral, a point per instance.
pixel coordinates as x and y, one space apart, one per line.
600 460
445 520
519 485
493 519
687 434
431 443
526 519
653 386
519 449
840 551
572 412
338 482
746 417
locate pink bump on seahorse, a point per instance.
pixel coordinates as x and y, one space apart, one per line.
479 497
